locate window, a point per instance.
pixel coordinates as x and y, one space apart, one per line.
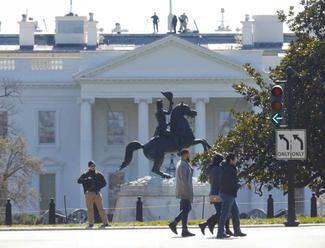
7 64
47 64
226 122
46 127
70 27
115 128
46 190
3 123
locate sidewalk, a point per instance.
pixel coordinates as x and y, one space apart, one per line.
67 228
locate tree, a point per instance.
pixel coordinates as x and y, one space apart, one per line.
17 167
253 136
16 164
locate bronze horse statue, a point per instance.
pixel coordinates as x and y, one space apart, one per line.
181 137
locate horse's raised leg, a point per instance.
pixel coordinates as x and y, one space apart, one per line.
203 142
156 167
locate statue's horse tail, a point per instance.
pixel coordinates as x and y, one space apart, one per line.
130 148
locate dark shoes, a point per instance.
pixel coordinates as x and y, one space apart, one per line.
202 227
230 233
211 226
173 227
90 226
240 234
187 233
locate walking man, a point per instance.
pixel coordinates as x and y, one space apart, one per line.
155 20
92 182
184 192
228 193
214 173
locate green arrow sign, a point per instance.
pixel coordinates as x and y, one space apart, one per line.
276 119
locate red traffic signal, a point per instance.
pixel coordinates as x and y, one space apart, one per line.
277 91
277 98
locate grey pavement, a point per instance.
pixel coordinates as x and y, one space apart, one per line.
295 237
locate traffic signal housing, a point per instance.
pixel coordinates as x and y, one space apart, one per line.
277 104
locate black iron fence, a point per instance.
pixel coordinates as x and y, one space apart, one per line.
54 216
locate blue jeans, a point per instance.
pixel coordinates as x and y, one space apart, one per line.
228 206
185 208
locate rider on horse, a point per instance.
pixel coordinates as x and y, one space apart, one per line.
161 129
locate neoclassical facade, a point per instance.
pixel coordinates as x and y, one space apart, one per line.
81 105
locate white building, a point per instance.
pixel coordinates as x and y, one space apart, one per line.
82 101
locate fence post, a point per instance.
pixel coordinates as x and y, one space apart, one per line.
270 207
52 212
8 220
203 207
313 206
139 210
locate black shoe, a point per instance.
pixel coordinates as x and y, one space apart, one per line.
90 226
187 233
173 227
202 227
240 234
229 232
211 227
104 225
224 236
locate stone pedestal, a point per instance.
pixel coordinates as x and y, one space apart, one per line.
159 201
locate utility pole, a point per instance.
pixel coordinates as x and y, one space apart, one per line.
292 77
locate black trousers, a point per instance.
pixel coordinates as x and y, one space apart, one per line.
185 208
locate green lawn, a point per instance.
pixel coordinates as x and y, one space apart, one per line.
303 220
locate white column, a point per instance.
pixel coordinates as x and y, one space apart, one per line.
85 137
143 134
200 120
200 124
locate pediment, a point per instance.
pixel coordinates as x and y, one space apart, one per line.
170 57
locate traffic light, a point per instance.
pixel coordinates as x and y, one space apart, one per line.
277 104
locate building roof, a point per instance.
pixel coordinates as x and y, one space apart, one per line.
46 42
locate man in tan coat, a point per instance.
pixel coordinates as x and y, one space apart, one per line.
184 192
92 182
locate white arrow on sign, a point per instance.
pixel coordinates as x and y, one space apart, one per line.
291 144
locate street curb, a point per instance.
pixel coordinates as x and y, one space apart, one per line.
127 228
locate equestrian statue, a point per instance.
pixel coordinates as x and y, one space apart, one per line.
169 137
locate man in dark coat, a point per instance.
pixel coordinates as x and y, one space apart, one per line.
228 192
214 172
174 23
155 20
92 182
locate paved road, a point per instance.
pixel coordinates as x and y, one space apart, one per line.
309 237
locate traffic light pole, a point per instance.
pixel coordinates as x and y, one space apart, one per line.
291 170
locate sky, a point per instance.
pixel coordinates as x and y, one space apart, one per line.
134 15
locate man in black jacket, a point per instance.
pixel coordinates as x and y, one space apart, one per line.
92 182
228 193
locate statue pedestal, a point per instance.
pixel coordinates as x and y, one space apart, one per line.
159 201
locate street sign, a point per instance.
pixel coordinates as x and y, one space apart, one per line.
277 119
291 144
